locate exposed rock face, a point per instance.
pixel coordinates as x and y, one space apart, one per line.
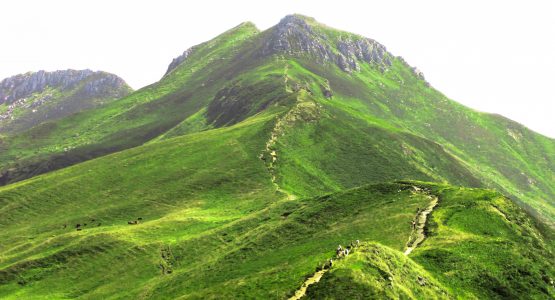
23 85
32 98
104 85
295 36
365 49
178 60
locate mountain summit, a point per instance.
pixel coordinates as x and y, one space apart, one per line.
256 161
299 35
29 99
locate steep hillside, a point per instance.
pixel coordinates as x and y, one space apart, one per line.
27 100
367 112
479 245
482 245
484 150
211 224
373 271
239 173
131 121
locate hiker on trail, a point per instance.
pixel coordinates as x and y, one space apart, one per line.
339 253
413 224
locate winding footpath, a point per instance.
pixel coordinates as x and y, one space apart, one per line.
312 279
418 234
269 154
416 238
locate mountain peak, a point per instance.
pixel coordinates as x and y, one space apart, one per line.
34 97
298 35
248 27
23 85
296 19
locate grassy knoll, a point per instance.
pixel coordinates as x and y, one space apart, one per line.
374 271
483 245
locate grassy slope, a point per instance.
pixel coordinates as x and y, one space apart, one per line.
374 119
392 119
133 120
205 198
228 234
59 104
215 225
184 190
373 271
482 245
500 153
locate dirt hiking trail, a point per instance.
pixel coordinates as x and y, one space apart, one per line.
418 234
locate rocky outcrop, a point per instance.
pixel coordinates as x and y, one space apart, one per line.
103 84
365 49
32 98
21 86
178 60
294 35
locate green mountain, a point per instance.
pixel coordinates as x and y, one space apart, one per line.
239 173
27 100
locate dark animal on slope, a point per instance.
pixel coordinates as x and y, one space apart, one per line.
340 253
329 264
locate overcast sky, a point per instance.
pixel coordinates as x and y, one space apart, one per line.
494 56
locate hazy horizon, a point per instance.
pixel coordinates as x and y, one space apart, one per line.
495 57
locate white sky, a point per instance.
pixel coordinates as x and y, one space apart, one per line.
495 56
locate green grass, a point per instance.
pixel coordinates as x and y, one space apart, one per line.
234 244
57 104
132 120
227 79
482 245
184 154
203 193
373 271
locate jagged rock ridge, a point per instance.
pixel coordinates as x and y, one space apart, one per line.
297 35
23 85
293 35
34 97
